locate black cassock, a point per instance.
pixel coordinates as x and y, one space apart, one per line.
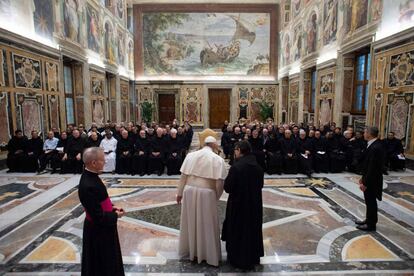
156 163
92 143
139 161
174 159
123 162
373 180
73 147
289 146
101 252
394 147
273 155
257 150
16 153
358 146
337 157
234 138
57 158
34 149
225 143
320 155
242 227
305 161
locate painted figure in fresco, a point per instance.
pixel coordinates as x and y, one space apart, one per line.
121 49
325 112
359 14
298 42
296 6
407 11
286 54
98 112
330 21
376 10
230 52
71 18
130 55
94 41
109 43
120 8
311 34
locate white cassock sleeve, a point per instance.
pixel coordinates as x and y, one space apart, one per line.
219 187
181 185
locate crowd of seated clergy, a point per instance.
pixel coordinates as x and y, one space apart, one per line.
292 148
129 149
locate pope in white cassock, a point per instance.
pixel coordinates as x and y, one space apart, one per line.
201 185
109 146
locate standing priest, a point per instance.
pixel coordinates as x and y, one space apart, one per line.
101 252
242 228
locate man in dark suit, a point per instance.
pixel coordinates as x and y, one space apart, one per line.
371 182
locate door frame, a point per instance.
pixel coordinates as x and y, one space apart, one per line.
173 91
228 90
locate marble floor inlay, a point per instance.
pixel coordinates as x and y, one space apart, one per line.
307 226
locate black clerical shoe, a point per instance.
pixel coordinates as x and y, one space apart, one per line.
360 222
366 228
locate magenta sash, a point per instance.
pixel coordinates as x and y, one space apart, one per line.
106 206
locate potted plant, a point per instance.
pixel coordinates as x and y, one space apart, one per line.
147 109
266 111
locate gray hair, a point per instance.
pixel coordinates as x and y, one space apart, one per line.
373 131
91 154
173 131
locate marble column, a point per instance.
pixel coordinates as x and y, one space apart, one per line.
339 87
87 96
301 96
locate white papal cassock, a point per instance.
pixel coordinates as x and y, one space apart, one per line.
109 147
201 185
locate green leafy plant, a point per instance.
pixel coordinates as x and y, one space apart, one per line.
147 110
266 111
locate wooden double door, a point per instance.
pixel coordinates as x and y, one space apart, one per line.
219 102
166 108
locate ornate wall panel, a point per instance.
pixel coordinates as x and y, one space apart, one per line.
53 107
243 102
348 88
4 118
378 110
192 104
124 87
52 76
400 115
391 98
325 93
250 99
293 104
99 99
2 68
27 72
144 94
29 112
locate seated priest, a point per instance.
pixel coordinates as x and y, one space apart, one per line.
140 157
225 141
157 151
34 149
109 146
72 160
175 148
288 146
256 143
60 151
305 153
271 147
336 150
124 152
320 153
395 159
49 150
16 152
93 140
236 137
358 144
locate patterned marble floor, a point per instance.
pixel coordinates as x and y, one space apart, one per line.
308 226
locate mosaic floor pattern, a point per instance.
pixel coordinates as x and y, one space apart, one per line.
307 226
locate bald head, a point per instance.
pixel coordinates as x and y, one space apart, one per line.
92 154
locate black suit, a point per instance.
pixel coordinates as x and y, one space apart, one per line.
372 180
